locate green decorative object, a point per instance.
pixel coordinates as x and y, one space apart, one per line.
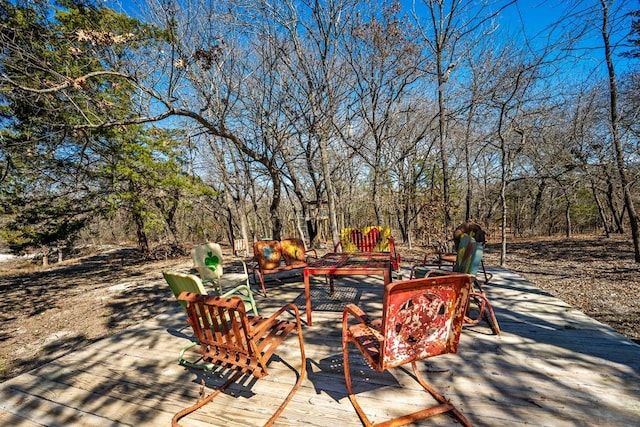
212 261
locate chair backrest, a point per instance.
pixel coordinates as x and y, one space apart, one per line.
471 228
369 239
182 282
268 254
293 251
223 330
208 260
469 256
423 318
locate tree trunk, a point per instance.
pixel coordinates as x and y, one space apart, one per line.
143 242
326 174
567 219
615 134
603 217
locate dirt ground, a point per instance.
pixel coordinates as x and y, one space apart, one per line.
45 313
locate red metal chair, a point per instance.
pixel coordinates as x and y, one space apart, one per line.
421 318
369 239
468 261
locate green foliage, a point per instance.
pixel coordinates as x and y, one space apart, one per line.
584 212
56 174
43 225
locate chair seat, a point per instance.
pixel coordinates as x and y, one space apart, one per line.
274 332
449 257
231 279
297 264
420 272
368 340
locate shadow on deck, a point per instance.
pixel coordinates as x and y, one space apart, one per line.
552 365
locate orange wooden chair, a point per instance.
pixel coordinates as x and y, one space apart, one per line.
421 318
231 339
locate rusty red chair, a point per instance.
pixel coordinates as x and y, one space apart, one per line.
421 318
468 261
230 339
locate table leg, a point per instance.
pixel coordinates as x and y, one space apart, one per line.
307 295
387 276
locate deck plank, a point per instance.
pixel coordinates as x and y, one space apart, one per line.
552 365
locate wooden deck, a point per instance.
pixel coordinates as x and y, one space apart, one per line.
552 366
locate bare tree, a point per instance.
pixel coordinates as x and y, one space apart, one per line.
451 27
312 30
615 130
386 62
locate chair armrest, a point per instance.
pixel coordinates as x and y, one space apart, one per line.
311 251
262 326
234 292
244 266
356 312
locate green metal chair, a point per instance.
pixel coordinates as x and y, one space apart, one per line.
182 282
209 262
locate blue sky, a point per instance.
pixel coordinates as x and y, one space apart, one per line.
532 17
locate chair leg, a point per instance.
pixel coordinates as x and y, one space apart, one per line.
443 406
274 417
485 310
184 362
255 308
347 380
301 376
209 398
261 277
491 317
444 403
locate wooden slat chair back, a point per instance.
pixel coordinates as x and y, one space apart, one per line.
421 318
231 339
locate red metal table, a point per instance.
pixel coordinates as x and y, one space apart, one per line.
347 263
